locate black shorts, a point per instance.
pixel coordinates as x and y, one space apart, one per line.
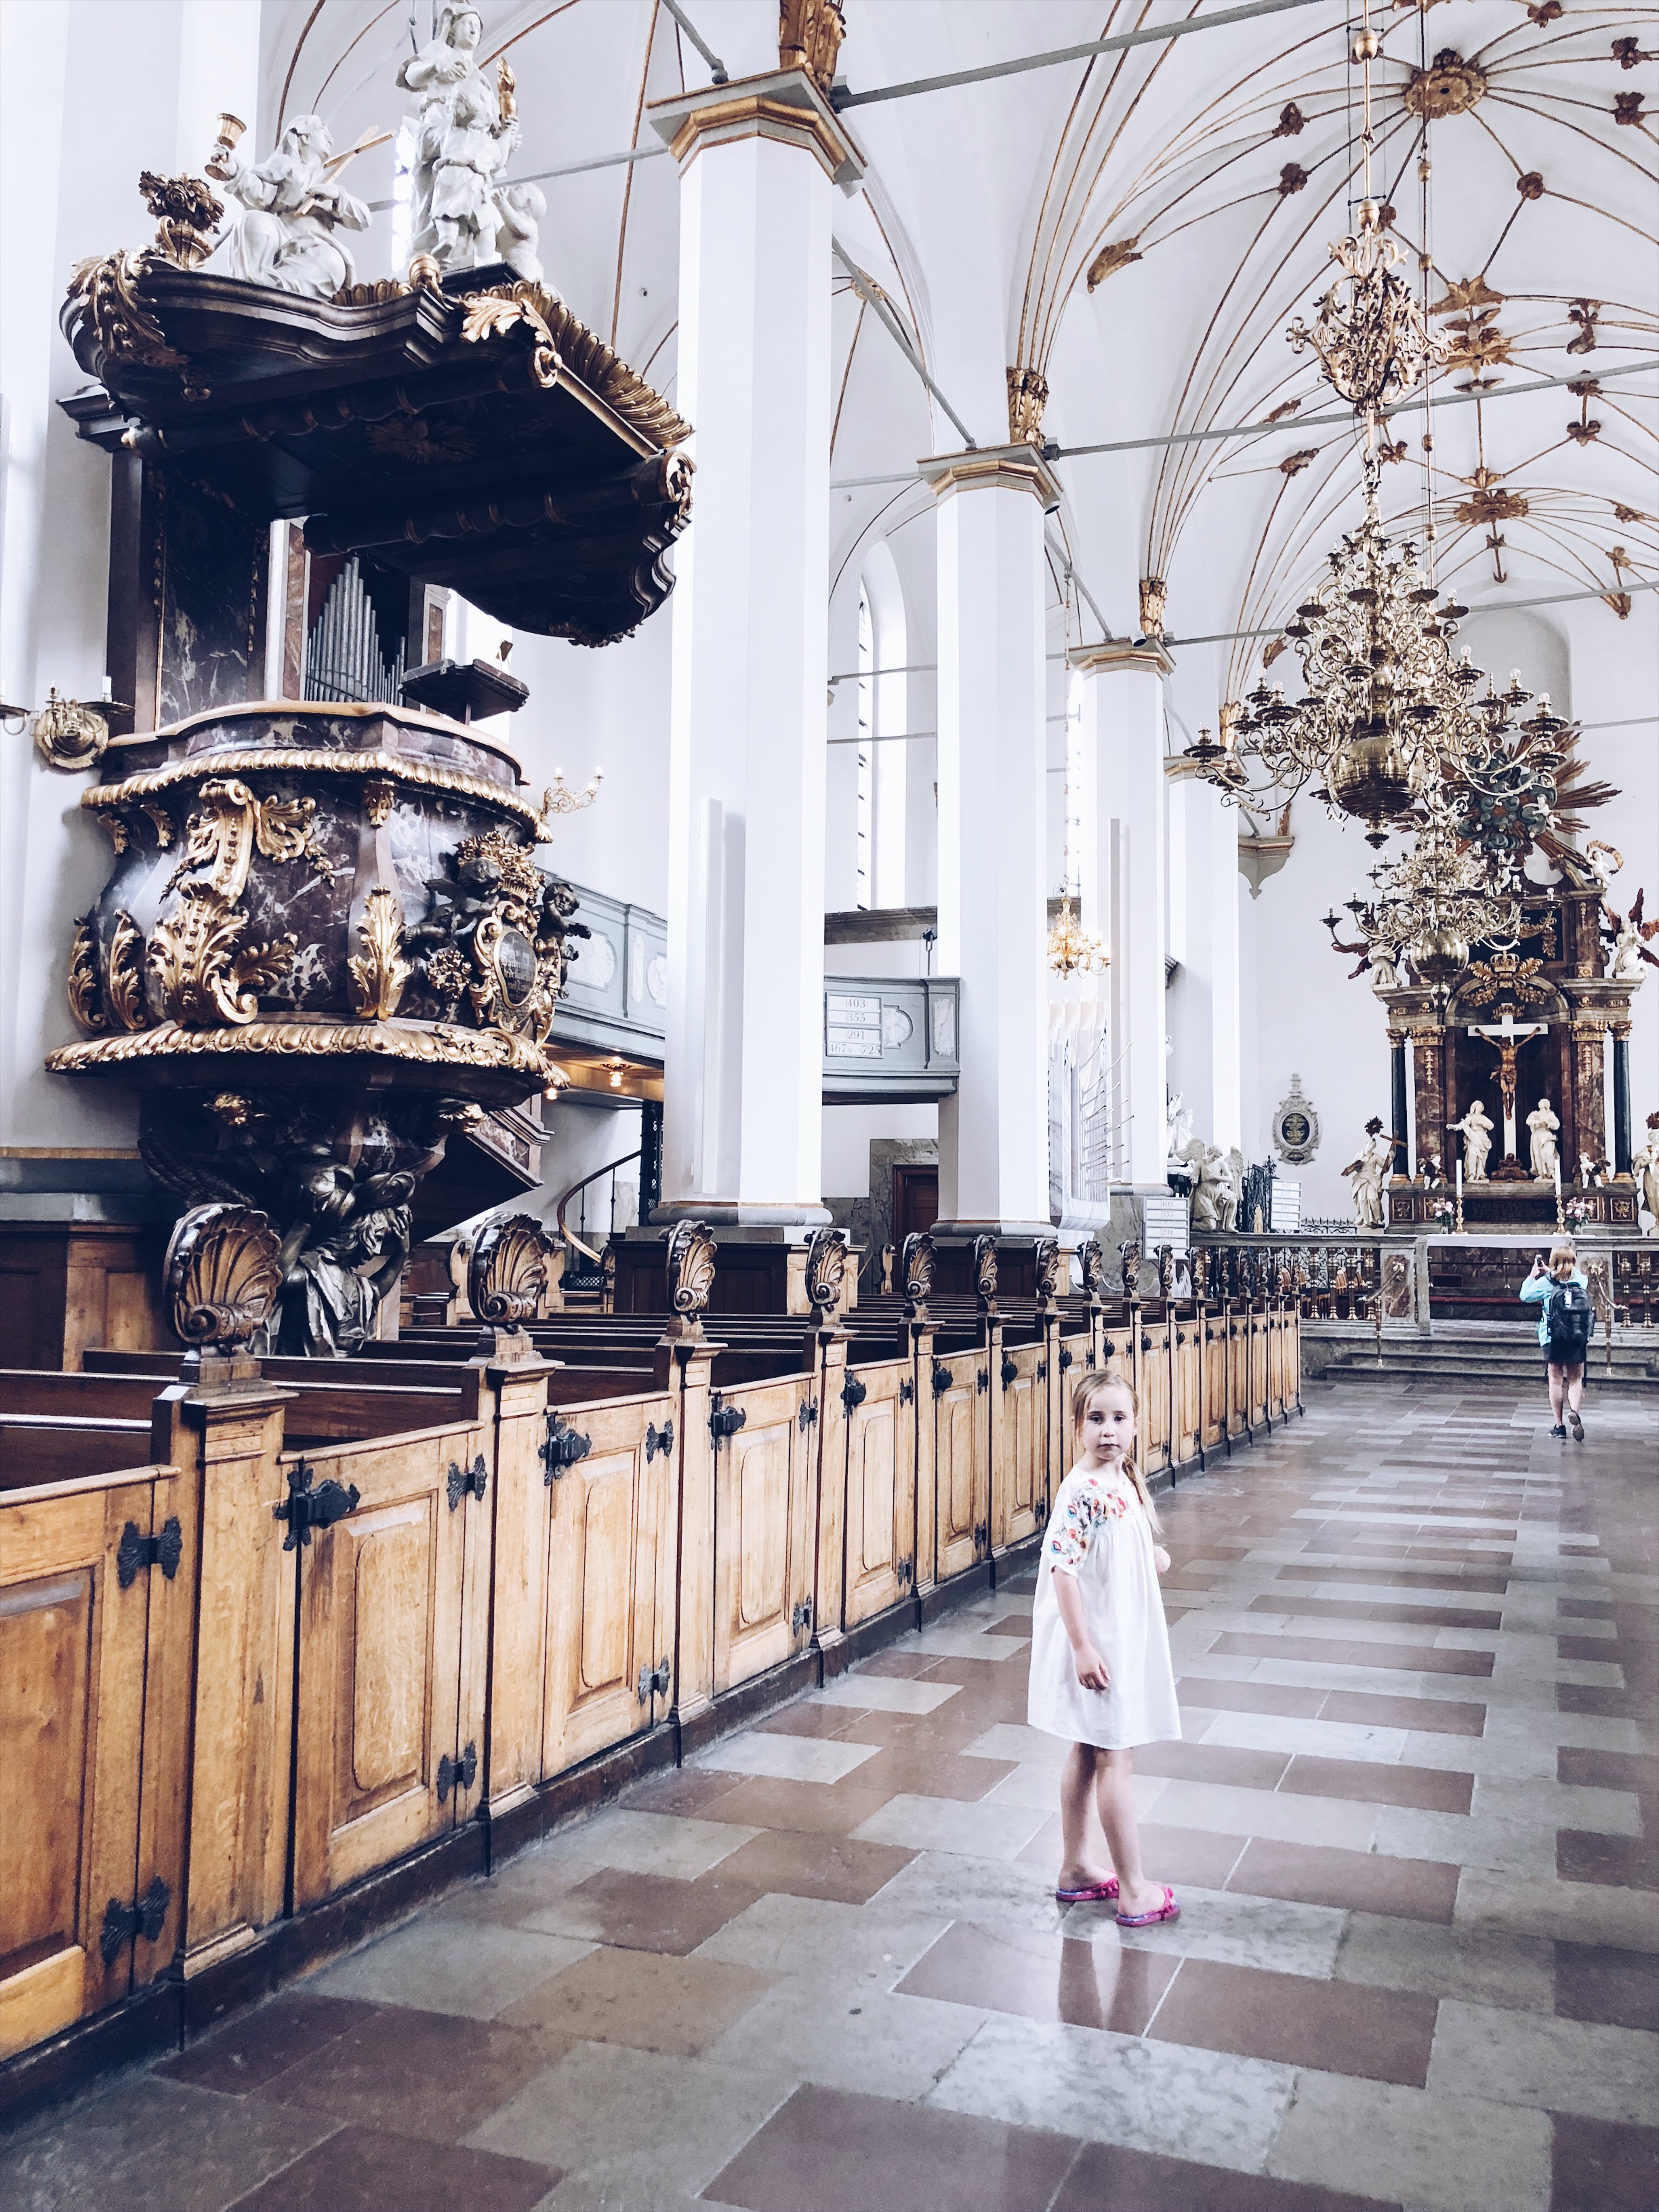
1564 1356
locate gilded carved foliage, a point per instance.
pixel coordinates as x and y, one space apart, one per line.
380 971
86 997
126 986
199 971
495 935
810 33
561 342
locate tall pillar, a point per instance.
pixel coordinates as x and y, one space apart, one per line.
1202 847
1401 1168
1621 1145
743 1119
1122 709
1589 1121
992 837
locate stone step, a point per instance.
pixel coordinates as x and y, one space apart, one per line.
1467 1367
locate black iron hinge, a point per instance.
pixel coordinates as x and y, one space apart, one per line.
563 1447
1145 1343
806 1414
854 1393
653 1681
304 1509
1042 1371
467 1481
905 1574
1065 1358
659 1440
981 1378
1109 1347
726 1420
1010 1370
942 1379
458 1774
123 1922
801 1617
907 1392
164 1551
982 1536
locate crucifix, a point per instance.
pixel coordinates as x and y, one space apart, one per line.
1506 1038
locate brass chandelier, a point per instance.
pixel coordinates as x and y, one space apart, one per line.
1392 732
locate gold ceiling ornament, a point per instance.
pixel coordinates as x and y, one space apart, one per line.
810 33
1110 258
1028 395
1073 950
1449 86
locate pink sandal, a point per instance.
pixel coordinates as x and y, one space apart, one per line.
1167 1911
1094 1893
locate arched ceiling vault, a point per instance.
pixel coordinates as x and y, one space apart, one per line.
1138 229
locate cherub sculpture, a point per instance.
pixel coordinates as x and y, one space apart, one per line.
293 210
1631 937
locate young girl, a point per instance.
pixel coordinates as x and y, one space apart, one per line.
1101 1675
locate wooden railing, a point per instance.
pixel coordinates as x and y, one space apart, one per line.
394 1612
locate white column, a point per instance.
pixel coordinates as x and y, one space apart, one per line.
1203 902
743 1115
1124 881
992 821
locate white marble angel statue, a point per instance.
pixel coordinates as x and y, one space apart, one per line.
1632 939
1233 1195
465 131
1546 1153
1476 1129
287 236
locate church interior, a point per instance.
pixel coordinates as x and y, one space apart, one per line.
747 744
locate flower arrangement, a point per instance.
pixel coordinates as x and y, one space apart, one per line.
1577 1212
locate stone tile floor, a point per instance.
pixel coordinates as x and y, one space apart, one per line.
1414 1822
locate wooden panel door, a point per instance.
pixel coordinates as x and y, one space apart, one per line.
1020 1453
1215 1383
609 1647
1239 1374
72 1652
1188 1409
381 1765
962 1460
880 1528
764 1511
1154 1397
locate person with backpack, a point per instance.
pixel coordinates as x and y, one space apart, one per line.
1564 1327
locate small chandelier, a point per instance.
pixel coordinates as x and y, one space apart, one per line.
1073 951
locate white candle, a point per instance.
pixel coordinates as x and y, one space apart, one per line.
1460 1183
1558 1178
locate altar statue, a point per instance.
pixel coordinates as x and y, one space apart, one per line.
1632 939
1644 1166
465 131
1367 1172
522 207
1476 1130
286 238
1545 1154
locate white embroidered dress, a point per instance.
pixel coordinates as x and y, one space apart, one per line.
1099 1533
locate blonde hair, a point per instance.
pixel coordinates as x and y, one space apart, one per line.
1563 1253
1114 1378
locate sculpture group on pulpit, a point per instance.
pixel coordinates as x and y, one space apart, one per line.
293 209
465 131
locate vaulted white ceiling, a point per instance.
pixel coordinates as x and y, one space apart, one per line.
1140 228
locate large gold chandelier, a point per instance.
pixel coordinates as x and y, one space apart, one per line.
1429 907
1392 732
